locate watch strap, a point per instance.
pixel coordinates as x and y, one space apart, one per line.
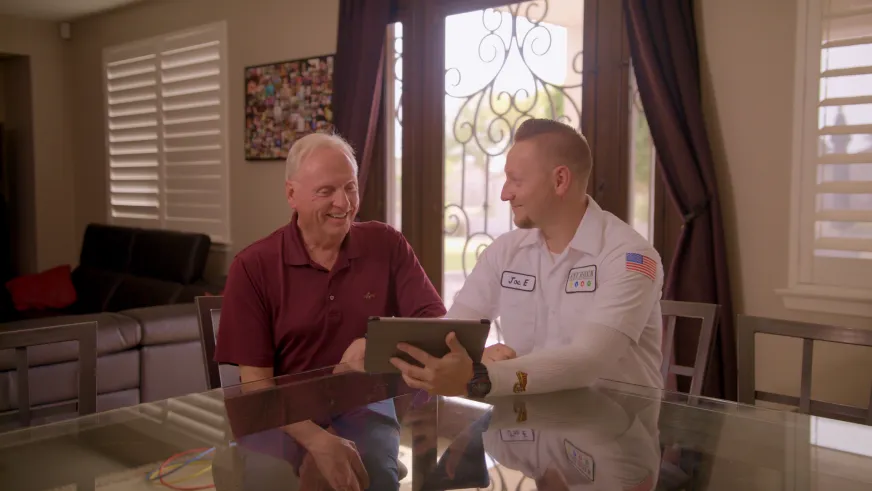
480 384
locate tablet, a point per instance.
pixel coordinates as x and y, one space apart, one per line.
383 334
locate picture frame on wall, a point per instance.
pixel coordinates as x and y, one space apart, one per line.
285 101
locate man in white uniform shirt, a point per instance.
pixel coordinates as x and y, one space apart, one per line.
574 440
576 289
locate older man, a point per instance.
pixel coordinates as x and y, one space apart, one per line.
577 290
298 299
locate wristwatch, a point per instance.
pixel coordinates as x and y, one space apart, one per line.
479 385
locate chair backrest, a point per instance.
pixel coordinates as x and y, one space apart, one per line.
749 326
209 318
85 333
708 314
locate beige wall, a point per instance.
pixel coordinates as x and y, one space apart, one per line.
53 196
259 31
18 162
747 51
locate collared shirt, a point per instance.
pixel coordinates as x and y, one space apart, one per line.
608 276
283 310
603 444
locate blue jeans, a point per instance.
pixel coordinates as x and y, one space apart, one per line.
373 429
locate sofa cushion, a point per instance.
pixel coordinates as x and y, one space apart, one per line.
169 256
94 288
17 315
105 402
107 247
190 293
172 370
164 324
134 292
58 382
115 333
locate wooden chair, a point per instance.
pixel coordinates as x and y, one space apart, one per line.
84 333
749 327
686 461
708 314
209 317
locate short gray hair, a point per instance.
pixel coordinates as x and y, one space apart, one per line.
303 147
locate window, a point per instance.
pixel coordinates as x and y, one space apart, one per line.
476 69
841 436
831 223
643 160
166 132
394 125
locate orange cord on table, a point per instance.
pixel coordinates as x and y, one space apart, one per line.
174 486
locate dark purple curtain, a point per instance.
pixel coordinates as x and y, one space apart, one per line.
358 75
663 45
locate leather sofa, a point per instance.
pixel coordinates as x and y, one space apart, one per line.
123 268
139 285
143 355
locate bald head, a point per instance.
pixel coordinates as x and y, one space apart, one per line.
558 144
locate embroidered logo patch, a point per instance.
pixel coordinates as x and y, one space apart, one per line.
369 296
520 411
521 384
517 435
518 281
581 461
642 264
582 279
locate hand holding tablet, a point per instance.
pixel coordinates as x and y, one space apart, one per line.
385 334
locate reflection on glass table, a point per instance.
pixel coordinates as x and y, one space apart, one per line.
613 436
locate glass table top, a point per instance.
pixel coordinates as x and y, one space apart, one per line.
612 436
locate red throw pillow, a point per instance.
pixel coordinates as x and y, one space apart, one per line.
51 289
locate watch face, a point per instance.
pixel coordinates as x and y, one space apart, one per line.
479 389
480 384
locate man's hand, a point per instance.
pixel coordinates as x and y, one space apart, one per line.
310 476
355 351
498 352
352 359
337 461
446 376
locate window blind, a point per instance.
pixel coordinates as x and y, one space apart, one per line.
843 193
166 133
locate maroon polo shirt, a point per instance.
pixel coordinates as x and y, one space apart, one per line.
283 310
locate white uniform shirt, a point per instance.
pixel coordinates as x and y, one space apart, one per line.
603 446
608 276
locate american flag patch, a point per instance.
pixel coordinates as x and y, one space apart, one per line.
642 264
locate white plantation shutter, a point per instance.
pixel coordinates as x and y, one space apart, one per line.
166 103
132 134
830 246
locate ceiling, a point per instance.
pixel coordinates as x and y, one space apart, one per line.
58 10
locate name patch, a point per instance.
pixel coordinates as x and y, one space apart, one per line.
581 279
517 435
518 281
